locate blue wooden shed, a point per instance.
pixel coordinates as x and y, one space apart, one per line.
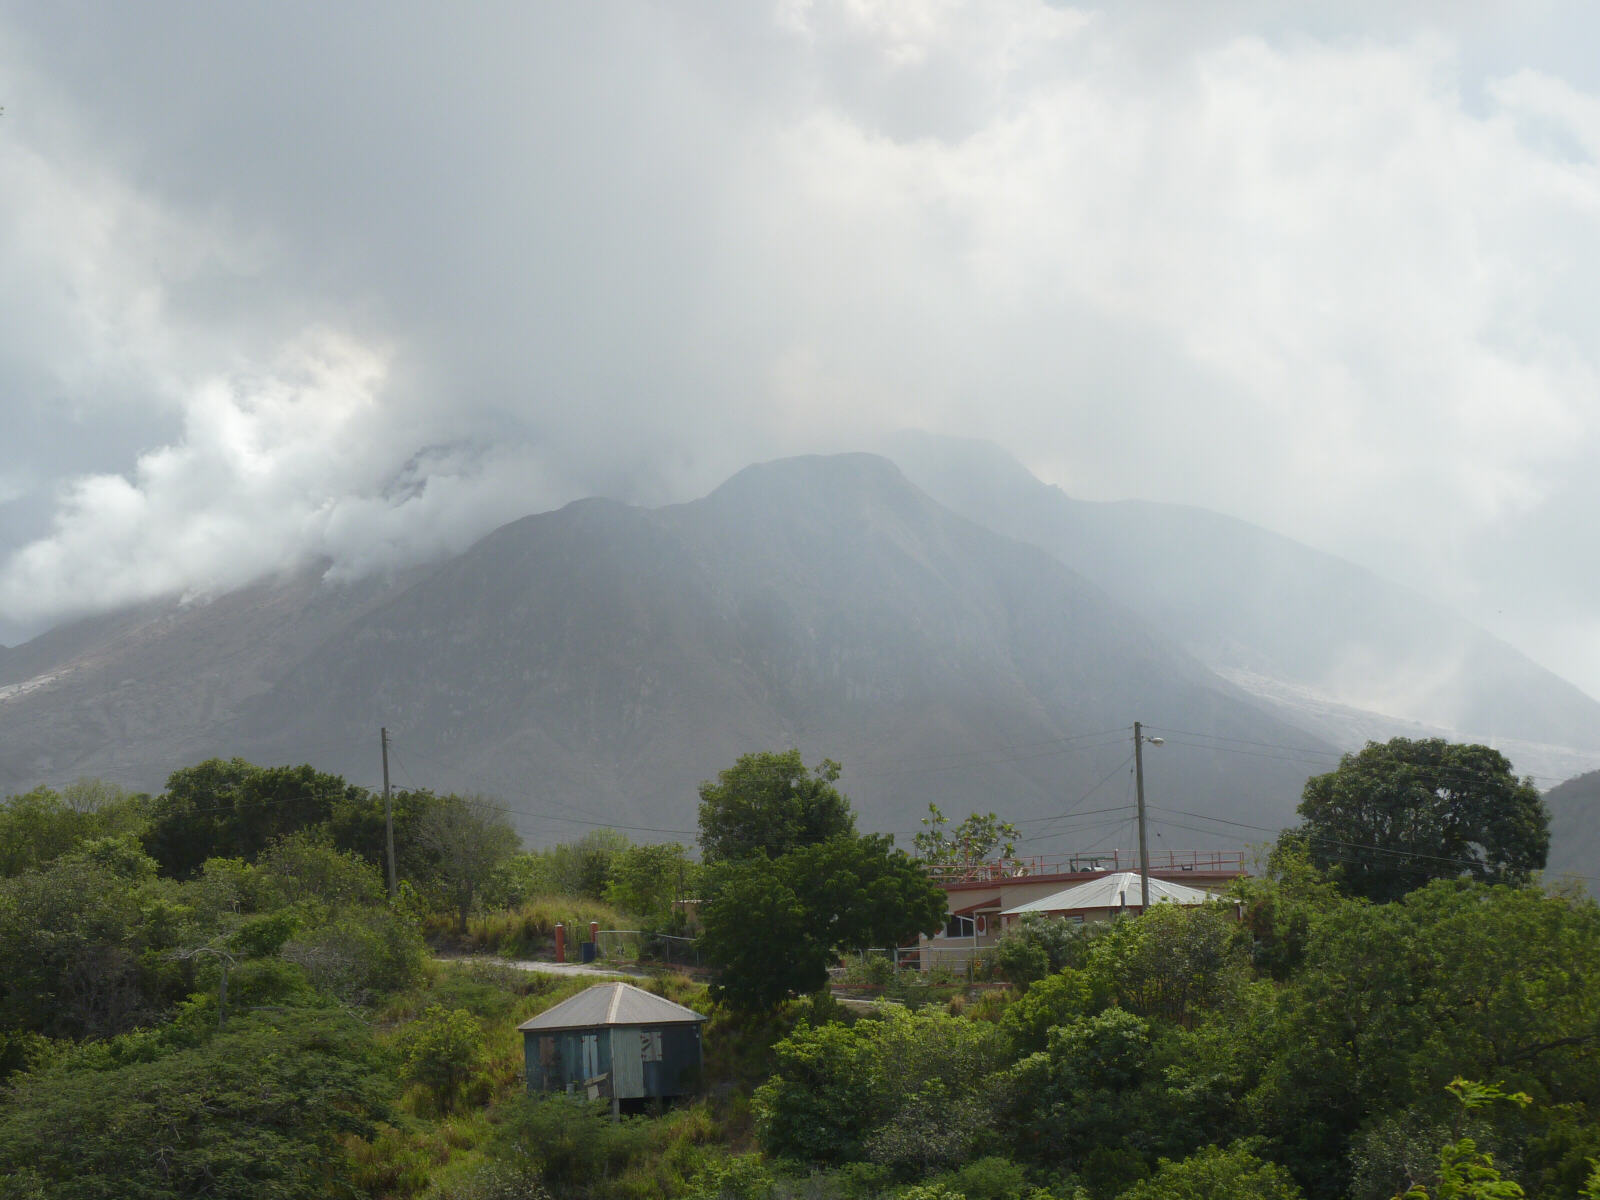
614 1041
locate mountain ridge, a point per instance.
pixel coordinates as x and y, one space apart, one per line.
596 661
604 658
1238 603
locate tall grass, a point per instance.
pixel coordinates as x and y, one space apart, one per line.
529 930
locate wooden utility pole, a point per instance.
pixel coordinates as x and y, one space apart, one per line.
388 811
1144 849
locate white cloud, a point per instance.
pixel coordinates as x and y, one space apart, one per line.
1348 267
263 462
1331 273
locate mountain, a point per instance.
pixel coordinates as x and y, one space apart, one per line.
131 694
1329 645
1575 829
595 663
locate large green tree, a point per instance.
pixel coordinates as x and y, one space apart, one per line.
233 809
81 947
1393 1001
774 926
791 885
645 880
467 837
40 826
1397 815
770 803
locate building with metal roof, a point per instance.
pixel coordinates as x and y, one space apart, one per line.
980 892
614 1041
1106 896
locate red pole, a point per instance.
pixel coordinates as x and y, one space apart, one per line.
561 942
594 932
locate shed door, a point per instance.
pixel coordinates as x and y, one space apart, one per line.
627 1063
591 1055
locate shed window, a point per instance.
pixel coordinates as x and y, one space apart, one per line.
549 1053
650 1045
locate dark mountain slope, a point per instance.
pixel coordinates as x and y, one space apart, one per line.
1575 830
1327 641
601 660
133 694
595 663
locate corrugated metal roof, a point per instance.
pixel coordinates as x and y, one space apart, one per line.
612 1004
991 902
1117 890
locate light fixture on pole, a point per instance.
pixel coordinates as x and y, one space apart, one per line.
1144 850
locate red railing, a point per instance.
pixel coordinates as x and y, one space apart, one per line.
1205 862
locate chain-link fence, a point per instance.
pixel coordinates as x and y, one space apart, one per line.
634 945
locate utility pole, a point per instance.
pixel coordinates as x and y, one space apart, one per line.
388 810
1144 850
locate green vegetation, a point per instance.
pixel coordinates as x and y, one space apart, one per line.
791 886
1399 814
773 926
770 804
977 839
200 999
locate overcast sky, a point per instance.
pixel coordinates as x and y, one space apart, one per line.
364 281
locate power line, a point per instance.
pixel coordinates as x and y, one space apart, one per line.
549 816
1120 825
503 784
1321 839
1174 741
1320 753
1092 790
984 756
1060 746
1328 755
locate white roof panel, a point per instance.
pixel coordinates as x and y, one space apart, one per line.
1118 890
612 1004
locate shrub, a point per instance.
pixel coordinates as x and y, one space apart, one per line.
1052 1002
303 867
989 1178
396 1163
743 1177
497 1181
906 1090
570 1144
264 935
868 970
258 1111
1038 945
1234 1172
358 953
443 1050
1021 960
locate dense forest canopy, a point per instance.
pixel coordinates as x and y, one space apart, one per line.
214 991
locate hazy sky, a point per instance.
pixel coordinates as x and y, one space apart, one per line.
366 280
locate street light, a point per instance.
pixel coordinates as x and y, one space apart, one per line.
1138 774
